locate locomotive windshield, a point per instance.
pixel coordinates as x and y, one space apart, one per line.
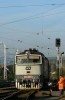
28 59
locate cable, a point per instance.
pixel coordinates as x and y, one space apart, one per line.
30 17
53 4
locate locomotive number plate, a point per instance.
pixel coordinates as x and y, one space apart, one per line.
28 76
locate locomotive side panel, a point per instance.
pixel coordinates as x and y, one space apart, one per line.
46 68
45 71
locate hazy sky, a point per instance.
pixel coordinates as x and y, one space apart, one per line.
32 22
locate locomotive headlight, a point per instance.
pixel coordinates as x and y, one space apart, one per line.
33 80
22 80
41 85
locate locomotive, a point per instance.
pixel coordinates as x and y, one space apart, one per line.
31 69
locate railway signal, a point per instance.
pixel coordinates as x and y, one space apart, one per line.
58 42
59 56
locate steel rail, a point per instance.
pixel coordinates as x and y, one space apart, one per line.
11 94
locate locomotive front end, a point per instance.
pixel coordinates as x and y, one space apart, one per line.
28 71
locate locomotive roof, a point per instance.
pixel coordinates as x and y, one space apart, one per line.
32 51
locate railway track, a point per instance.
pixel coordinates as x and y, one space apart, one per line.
6 83
29 95
18 95
6 92
9 92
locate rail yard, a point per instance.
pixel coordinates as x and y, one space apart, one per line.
27 85
29 80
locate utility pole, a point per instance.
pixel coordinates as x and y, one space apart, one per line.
61 65
58 55
5 70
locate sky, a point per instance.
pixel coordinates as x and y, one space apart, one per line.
36 24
